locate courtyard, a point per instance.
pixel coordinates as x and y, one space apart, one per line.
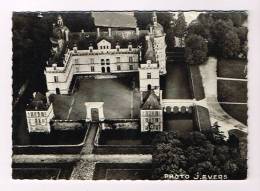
120 99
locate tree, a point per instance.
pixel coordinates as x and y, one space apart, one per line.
196 49
231 45
180 26
197 154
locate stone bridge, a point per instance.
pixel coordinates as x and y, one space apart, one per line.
178 105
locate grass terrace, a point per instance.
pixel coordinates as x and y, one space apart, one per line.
122 171
238 111
229 68
232 91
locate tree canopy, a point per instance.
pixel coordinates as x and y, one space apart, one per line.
224 31
201 153
196 49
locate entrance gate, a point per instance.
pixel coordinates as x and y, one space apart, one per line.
94 111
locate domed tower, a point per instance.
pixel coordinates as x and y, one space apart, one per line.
159 44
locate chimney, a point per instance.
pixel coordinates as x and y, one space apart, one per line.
75 48
137 31
66 35
109 32
82 31
151 29
117 46
98 32
53 25
130 46
147 37
34 94
47 94
90 48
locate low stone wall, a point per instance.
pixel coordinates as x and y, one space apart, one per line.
66 125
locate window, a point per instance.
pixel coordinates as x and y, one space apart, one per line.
107 47
77 69
42 114
102 61
91 60
92 69
55 78
76 60
156 120
32 121
130 48
107 61
91 50
36 121
118 67
149 75
117 49
54 67
117 59
131 67
130 59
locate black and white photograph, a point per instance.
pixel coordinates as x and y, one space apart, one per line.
136 95
130 95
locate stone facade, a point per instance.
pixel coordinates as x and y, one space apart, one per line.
39 114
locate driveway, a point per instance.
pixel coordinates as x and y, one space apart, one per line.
217 114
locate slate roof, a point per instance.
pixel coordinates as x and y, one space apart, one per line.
114 20
38 103
152 102
149 53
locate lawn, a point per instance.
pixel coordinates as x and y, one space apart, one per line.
232 91
181 123
130 137
117 95
122 171
42 171
231 68
238 111
176 85
61 105
35 173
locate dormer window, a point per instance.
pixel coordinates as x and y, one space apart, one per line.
54 66
91 49
130 47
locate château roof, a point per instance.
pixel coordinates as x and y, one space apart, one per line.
152 102
38 103
114 20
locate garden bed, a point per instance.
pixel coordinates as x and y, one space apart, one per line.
122 171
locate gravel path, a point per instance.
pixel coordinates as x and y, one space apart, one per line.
217 114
